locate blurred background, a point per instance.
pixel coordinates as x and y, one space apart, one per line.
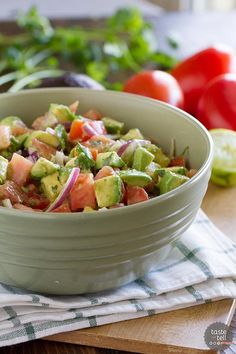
98 8
195 5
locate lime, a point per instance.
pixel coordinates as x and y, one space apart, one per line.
224 162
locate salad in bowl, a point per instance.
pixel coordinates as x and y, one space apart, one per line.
68 162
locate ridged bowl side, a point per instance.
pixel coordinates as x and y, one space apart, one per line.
77 253
77 263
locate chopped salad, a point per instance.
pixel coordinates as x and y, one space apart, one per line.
68 162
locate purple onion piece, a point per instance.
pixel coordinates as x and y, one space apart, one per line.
25 153
113 136
67 126
50 131
123 148
66 189
34 156
143 142
89 130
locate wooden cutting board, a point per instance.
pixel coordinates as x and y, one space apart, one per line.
180 331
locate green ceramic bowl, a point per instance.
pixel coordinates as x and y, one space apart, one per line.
87 252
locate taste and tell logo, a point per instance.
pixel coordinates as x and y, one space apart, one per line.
218 336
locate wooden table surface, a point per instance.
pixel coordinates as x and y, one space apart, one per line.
219 204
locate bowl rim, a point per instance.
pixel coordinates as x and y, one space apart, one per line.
130 208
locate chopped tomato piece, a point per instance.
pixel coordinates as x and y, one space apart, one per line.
82 193
45 121
94 153
149 188
119 205
135 195
105 172
22 207
74 106
92 114
99 139
178 161
63 208
38 123
19 169
98 142
191 173
5 134
76 131
19 129
10 190
38 201
44 150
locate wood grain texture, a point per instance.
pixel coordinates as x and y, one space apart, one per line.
180 331
45 347
220 205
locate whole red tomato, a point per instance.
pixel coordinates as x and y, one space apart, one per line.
156 84
217 106
196 71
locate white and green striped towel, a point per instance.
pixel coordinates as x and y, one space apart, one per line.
201 268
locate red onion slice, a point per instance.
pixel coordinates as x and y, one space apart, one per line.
50 131
33 156
88 130
98 126
123 148
66 189
142 142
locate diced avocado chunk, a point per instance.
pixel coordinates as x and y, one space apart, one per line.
84 162
64 173
42 136
108 191
142 158
113 126
3 169
61 134
81 157
109 159
115 146
133 134
51 186
17 142
161 158
43 168
12 121
176 169
88 209
22 138
135 178
61 112
128 154
73 162
170 181
151 170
